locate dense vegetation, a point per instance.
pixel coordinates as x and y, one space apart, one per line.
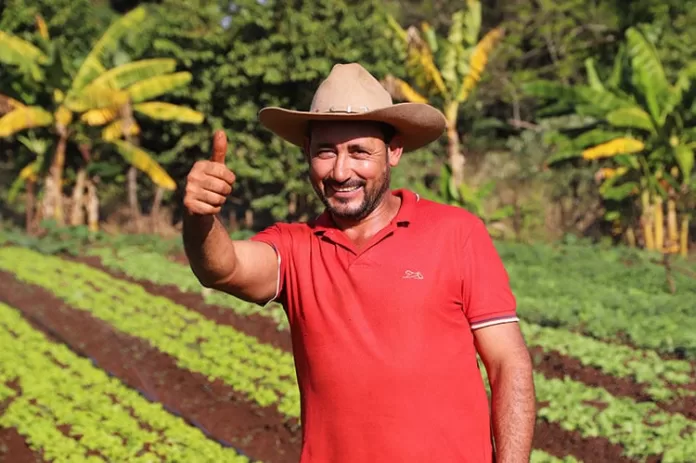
528 88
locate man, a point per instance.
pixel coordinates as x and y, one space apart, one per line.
389 296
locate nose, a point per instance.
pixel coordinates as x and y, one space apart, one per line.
341 168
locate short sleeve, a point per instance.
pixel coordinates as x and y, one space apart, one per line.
276 237
486 293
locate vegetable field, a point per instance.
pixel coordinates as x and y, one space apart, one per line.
119 355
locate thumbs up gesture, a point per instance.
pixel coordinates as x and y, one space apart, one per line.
209 182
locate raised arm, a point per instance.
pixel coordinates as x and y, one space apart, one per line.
245 269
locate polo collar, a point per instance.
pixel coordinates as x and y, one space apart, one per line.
403 217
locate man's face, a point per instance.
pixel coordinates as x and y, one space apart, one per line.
349 166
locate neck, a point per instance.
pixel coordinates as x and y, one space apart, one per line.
362 230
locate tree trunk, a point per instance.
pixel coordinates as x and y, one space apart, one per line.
455 156
55 194
77 216
647 222
29 205
136 215
249 218
659 225
155 210
92 206
672 229
684 236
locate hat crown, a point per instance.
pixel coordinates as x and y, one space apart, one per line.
349 88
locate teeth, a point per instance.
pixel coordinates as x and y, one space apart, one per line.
346 190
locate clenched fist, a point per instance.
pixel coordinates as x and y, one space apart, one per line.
209 182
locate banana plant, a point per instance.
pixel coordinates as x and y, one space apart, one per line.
91 89
640 132
445 71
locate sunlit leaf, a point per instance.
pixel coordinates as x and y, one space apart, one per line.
472 21
624 145
632 117
685 159
650 74
401 90
115 130
127 74
156 86
421 63
142 160
16 51
96 98
92 65
28 173
595 137
478 61
99 116
63 116
24 118
169 112
41 26
592 76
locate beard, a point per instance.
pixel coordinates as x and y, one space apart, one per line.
372 196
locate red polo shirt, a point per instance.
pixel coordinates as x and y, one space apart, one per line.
382 336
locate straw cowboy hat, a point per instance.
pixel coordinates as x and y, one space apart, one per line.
351 93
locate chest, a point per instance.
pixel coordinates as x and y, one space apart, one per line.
397 290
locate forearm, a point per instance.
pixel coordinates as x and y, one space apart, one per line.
513 410
209 248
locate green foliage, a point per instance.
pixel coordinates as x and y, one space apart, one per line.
264 374
107 420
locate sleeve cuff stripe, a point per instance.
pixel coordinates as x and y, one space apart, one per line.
494 321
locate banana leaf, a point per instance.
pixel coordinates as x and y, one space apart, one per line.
23 118
169 112
142 160
156 86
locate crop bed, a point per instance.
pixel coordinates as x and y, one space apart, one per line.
227 370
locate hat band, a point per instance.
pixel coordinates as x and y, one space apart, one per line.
347 109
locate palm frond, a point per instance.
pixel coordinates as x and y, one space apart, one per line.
650 75
127 74
142 160
169 112
156 86
632 118
115 130
472 21
92 65
95 98
616 147
478 62
7 104
400 90
24 118
19 52
99 116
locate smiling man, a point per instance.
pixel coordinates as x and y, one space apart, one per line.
390 297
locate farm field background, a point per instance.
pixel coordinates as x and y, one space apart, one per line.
116 353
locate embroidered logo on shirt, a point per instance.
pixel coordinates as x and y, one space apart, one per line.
409 275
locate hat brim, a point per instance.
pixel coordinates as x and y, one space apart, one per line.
418 124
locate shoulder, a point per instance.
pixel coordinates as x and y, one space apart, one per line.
436 216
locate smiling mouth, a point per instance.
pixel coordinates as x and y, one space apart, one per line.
346 189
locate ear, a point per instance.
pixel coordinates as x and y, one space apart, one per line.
396 149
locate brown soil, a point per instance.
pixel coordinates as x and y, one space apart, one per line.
262 328
262 433
258 432
552 364
14 449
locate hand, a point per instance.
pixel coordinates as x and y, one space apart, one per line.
210 181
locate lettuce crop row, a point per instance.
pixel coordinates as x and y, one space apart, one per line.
539 456
261 372
609 295
156 268
641 365
644 366
641 429
106 421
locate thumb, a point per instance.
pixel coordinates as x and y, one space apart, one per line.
219 146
